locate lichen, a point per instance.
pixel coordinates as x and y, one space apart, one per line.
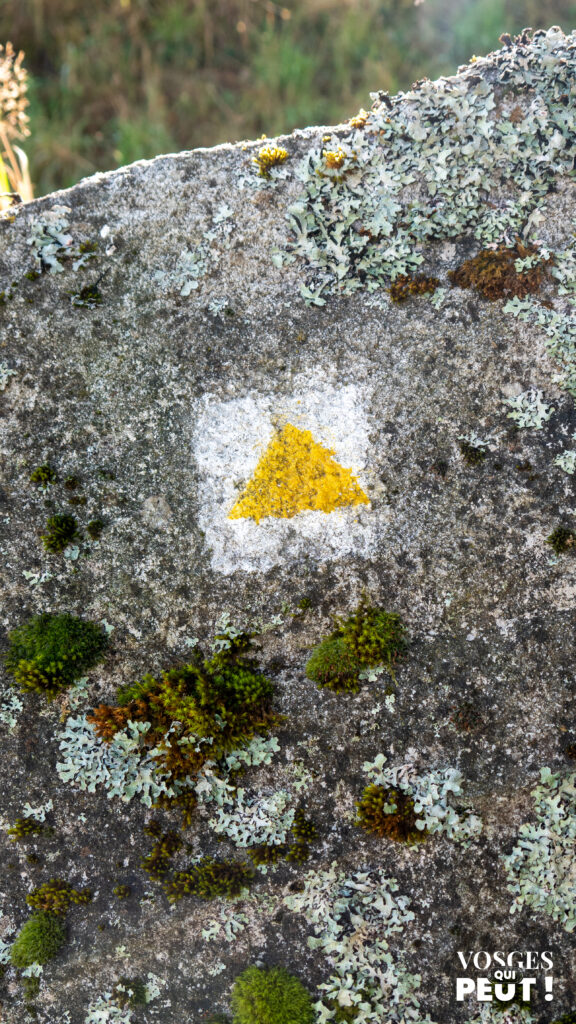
540 868
269 157
352 918
430 794
530 409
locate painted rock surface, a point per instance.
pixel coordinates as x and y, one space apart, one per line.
288 446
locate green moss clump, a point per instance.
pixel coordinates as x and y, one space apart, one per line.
562 540
270 996
49 652
43 475
371 636
55 897
61 530
374 636
30 988
122 892
38 940
566 1018
333 664
23 828
389 813
224 700
209 879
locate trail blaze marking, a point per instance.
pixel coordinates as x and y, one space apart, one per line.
296 474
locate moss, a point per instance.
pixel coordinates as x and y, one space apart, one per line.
562 540
373 635
269 157
30 988
23 828
55 897
494 274
49 652
566 1018
158 862
129 993
225 700
61 530
304 832
38 940
32 275
209 879
122 892
270 996
405 287
43 475
267 853
71 483
94 529
89 296
472 454
389 813
333 665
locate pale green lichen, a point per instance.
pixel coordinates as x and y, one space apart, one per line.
120 766
431 794
50 242
195 263
455 141
6 375
530 409
352 918
540 868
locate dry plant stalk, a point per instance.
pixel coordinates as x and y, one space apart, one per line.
15 181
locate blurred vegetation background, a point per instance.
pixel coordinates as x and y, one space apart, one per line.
113 81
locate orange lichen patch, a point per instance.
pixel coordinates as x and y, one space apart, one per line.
296 474
268 157
494 274
360 119
334 158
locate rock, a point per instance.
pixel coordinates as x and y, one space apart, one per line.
365 347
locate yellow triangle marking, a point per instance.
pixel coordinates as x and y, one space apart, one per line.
296 474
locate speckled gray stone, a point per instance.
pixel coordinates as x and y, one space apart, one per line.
161 402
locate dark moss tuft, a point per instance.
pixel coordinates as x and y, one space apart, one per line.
405 287
494 274
562 540
209 879
389 813
61 530
43 475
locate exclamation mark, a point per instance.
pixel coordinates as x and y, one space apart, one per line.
548 986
